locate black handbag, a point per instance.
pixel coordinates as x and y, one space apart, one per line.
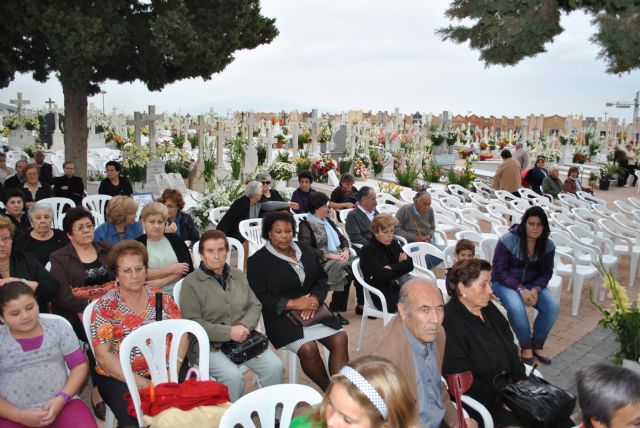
537 402
252 347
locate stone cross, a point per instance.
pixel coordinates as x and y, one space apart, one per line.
398 120
220 134
268 141
294 136
151 118
137 123
198 181
50 102
19 103
57 138
525 132
251 156
314 133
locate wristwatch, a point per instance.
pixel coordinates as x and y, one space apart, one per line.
66 397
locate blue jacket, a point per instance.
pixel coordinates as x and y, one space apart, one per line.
107 232
510 267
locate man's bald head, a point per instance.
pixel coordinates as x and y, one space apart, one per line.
421 308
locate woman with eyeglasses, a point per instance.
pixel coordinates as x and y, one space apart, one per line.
272 195
180 221
82 271
118 313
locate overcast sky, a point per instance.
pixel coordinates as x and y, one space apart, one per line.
336 55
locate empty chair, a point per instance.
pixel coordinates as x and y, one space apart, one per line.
419 251
505 196
450 203
387 209
385 198
588 197
96 203
251 230
502 213
587 217
488 246
624 206
526 193
343 213
602 246
624 221
479 201
216 214
474 218
634 201
570 201
626 243
459 191
484 189
407 195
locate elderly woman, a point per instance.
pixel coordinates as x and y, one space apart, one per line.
332 249
184 226
522 268
34 189
479 338
219 298
42 240
14 210
82 271
344 196
121 221
573 183
115 185
302 193
22 267
384 265
552 185
536 175
169 257
268 194
120 312
287 277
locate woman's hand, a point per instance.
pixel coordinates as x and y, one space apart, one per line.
528 298
307 302
403 257
53 407
239 333
347 205
179 268
344 255
294 205
534 296
306 315
32 417
171 228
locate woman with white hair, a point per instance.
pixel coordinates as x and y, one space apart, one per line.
43 239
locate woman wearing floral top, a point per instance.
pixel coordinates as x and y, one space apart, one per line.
118 313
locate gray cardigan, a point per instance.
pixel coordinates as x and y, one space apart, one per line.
407 220
203 300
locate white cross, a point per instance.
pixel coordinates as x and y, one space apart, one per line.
151 117
137 123
19 103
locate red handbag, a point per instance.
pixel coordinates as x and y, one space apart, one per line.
185 396
458 384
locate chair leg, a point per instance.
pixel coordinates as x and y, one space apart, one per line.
577 294
363 324
633 269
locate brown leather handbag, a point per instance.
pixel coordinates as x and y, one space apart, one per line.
321 314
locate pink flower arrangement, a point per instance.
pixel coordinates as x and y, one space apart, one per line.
360 169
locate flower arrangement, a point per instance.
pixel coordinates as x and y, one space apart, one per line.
221 194
564 140
134 162
283 156
32 148
360 169
235 155
377 157
622 318
462 177
320 168
303 138
596 146
176 159
96 176
437 136
381 138
550 155
345 164
302 162
432 172
282 171
390 188
452 137
325 132
30 123
262 153
405 171
484 146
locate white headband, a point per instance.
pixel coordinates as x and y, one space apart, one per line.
367 389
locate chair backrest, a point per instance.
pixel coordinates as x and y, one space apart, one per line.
488 246
387 209
418 250
216 214
437 193
505 196
588 197
407 195
152 341
623 206
484 189
177 288
86 323
459 191
471 235
265 402
234 244
298 218
521 205
343 213
501 230
98 217
57 206
451 203
96 203
332 178
624 221
527 193
251 230
368 289
449 256
385 198
633 200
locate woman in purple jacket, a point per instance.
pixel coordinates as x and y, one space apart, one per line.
522 268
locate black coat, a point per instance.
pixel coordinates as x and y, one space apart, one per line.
22 265
534 177
43 192
123 188
188 230
23 226
75 190
373 258
13 181
274 282
306 235
238 211
483 347
46 172
179 247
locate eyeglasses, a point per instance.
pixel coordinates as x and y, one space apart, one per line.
6 239
130 271
266 182
80 227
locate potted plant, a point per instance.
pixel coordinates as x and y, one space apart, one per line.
607 173
281 139
593 177
622 318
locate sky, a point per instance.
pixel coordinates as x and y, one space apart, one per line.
336 55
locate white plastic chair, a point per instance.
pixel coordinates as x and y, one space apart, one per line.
474 217
387 209
110 418
626 243
624 221
96 203
369 309
332 178
177 288
251 230
151 340
634 201
602 246
479 201
216 214
488 246
484 189
408 194
502 213
419 250
266 402
459 191
637 173
343 213
624 206
588 197
571 201
57 205
385 198
505 196
526 193
234 244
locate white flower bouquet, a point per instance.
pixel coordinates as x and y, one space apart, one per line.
282 171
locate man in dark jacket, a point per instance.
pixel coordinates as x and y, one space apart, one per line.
18 179
46 169
68 185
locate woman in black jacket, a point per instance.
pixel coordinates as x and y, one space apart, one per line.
185 228
384 265
169 257
286 277
535 176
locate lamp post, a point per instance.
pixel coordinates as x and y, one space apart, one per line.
102 92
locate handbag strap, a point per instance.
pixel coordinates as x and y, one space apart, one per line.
193 370
158 306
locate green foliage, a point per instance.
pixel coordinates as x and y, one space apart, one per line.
344 165
282 156
262 154
237 147
303 137
507 31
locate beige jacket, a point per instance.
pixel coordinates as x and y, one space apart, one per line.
507 176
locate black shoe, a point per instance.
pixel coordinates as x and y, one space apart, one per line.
358 310
99 410
342 320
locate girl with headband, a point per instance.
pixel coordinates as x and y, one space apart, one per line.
369 392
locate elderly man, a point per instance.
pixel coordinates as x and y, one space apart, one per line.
18 179
47 170
507 176
68 185
520 154
416 222
415 342
551 183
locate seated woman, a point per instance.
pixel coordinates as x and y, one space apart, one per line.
82 271
268 194
115 185
522 268
34 189
344 196
14 210
573 183
301 194
536 175
371 392
28 396
384 265
43 239
479 338
22 267
183 223
120 312
120 221
219 298
331 248
169 257
286 277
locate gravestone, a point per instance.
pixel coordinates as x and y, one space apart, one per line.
57 138
251 156
295 131
137 123
221 171
315 149
340 140
151 118
387 172
268 144
154 168
20 137
19 103
397 119
198 182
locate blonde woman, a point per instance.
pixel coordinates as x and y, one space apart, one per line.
370 392
121 221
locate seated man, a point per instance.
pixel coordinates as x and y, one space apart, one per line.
552 184
416 223
414 342
68 185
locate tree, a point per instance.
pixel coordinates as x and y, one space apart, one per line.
507 31
156 41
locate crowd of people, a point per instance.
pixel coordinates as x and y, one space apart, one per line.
127 268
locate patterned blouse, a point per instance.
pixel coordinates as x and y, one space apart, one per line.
112 320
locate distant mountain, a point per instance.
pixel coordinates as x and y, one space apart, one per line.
257 104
